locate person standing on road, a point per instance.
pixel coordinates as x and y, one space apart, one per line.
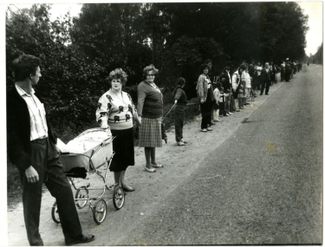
117 111
32 148
180 101
258 70
226 84
287 70
202 88
248 86
150 111
218 98
265 79
237 87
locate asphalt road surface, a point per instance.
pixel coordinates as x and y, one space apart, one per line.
262 186
255 179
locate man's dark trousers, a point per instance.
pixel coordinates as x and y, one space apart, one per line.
45 160
266 86
206 109
179 121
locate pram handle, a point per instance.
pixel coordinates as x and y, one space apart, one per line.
105 142
108 140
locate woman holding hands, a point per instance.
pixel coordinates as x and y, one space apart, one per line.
116 110
150 111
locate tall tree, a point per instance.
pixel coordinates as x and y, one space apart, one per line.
108 34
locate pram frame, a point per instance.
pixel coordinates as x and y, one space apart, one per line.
97 204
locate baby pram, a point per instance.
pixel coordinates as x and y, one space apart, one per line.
90 155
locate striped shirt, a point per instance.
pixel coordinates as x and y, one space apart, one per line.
38 125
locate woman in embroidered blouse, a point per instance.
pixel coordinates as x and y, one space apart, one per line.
116 111
150 111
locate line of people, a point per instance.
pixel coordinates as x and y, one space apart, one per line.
230 92
31 143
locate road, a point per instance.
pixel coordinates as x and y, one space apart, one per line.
255 179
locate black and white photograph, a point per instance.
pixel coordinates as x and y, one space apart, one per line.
163 123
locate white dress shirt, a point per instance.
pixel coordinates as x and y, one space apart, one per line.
38 125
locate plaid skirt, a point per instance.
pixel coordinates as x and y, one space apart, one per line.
150 132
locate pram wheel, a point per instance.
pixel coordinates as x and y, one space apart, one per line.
82 197
100 211
55 213
118 197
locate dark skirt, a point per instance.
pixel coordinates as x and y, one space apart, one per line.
123 148
215 106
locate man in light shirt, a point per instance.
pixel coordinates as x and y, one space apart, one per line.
31 147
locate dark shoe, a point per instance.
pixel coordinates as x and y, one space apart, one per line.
84 239
127 188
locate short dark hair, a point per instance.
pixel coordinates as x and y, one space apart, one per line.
118 73
24 66
205 66
243 66
181 81
227 67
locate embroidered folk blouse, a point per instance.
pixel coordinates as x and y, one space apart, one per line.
115 112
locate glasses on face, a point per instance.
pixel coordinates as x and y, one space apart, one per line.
151 75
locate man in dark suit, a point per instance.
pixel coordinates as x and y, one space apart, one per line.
31 147
265 79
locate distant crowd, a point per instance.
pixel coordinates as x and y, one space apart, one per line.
230 92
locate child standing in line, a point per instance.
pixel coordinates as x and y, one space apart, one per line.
180 107
222 102
217 98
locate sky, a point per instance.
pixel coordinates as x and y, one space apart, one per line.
314 35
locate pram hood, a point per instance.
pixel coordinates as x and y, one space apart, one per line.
88 140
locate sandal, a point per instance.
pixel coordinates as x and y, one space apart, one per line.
151 170
155 165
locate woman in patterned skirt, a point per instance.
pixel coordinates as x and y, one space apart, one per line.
116 111
150 111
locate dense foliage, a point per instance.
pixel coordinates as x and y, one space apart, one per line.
78 53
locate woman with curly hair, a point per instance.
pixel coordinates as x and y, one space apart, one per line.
116 111
150 110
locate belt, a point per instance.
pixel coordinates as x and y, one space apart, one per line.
39 140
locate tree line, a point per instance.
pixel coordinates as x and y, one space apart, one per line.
318 56
78 53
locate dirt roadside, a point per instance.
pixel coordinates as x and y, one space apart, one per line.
151 189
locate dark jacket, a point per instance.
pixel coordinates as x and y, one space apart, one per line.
18 131
225 81
265 77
